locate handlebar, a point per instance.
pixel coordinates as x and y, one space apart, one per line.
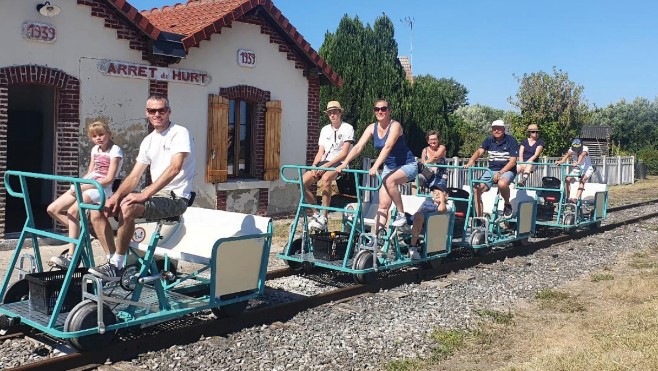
75 181
300 168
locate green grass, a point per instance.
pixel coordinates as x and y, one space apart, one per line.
498 317
602 277
558 301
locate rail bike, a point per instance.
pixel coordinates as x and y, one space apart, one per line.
355 247
229 251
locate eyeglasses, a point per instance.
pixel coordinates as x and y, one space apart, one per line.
382 109
153 111
533 131
333 112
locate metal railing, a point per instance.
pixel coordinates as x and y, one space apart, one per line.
610 170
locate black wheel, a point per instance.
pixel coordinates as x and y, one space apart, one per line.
477 238
129 277
230 310
295 248
172 268
569 219
18 291
434 263
364 261
85 316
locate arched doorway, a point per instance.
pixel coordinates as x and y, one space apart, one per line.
39 133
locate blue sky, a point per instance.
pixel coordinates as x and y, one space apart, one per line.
609 47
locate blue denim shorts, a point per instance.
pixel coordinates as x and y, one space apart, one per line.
487 177
410 170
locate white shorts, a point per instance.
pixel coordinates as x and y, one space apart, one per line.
94 195
578 172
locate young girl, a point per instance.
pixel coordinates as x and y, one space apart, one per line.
104 166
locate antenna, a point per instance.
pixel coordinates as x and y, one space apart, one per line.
409 22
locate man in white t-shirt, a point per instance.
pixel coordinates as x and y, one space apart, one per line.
333 146
169 151
582 165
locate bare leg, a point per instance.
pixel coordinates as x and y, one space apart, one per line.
478 189
309 179
419 220
103 232
57 209
567 185
327 180
391 186
127 226
503 188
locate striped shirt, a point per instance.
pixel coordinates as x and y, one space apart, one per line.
500 152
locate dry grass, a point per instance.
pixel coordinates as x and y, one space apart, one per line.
607 321
642 190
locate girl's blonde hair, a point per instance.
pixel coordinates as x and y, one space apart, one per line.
98 127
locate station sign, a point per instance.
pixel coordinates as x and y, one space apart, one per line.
146 72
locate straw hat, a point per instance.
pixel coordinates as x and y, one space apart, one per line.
334 104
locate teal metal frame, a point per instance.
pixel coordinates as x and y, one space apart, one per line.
494 232
387 253
564 207
171 300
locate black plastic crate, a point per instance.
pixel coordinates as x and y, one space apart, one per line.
45 288
330 245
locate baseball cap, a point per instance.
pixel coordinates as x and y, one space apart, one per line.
437 184
576 145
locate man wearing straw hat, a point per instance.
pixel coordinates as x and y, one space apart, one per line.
333 146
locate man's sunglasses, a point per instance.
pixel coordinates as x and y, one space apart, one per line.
153 111
533 131
382 109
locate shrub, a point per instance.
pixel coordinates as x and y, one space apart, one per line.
650 159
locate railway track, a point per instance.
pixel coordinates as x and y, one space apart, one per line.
186 333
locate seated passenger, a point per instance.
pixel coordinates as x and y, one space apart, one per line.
104 166
434 153
529 151
437 203
503 150
333 146
168 153
581 162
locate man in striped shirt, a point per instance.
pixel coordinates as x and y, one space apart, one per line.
503 150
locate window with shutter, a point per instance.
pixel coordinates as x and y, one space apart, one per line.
218 139
272 140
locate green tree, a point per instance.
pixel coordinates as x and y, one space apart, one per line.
475 125
553 102
634 125
433 103
366 59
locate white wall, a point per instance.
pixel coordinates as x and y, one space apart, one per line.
273 72
82 40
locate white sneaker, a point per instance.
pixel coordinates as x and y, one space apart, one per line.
413 253
319 222
399 220
62 261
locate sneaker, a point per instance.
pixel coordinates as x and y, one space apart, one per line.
399 220
107 272
62 261
319 222
413 253
507 211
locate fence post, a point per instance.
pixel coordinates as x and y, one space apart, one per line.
632 169
455 174
545 168
604 169
618 169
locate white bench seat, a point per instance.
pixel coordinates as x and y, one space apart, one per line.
192 239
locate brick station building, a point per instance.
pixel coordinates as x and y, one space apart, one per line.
238 75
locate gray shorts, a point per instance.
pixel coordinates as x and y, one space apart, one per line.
164 204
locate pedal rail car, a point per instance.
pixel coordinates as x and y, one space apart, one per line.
233 247
554 210
356 248
482 233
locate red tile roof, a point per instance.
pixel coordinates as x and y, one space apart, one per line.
197 20
136 18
